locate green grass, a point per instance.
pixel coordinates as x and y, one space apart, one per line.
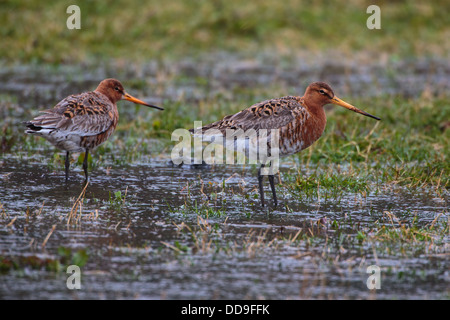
393 236
211 206
33 31
57 263
389 236
408 147
326 185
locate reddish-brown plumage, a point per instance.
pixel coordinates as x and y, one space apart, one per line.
83 121
300 120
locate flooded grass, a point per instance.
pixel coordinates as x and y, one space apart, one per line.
365 194
147 249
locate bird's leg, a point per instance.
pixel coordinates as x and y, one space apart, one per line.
272 186
85 164
260 181
67 165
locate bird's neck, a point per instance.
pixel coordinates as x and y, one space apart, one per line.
315 110
315 123
105 93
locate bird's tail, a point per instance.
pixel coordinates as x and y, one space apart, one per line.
31 127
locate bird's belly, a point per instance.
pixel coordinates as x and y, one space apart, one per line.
67 142
91 142
75 142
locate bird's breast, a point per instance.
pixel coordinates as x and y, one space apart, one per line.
301 133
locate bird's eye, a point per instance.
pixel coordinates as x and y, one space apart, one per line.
321 91
117 89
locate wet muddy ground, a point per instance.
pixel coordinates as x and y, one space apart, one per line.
145 229
35 85
154 245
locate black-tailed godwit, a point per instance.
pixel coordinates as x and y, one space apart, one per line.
300 121
82 122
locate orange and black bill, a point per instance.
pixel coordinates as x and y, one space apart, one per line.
344 104
128 97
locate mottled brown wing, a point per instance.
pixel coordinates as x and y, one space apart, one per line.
270 114
85 114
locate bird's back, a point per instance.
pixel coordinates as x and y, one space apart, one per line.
295 126
269 114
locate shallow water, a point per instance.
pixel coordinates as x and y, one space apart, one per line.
161 238
38 86
128 257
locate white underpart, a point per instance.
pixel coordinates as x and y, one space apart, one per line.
250 145
68 141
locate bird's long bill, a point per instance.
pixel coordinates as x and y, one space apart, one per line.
128 97
344 104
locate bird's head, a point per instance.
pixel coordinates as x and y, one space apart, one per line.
320 93
113 89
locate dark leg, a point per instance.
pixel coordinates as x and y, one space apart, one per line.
261 189
272 186
85 164
67 165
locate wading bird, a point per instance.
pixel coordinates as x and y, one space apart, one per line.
299 122
82 122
